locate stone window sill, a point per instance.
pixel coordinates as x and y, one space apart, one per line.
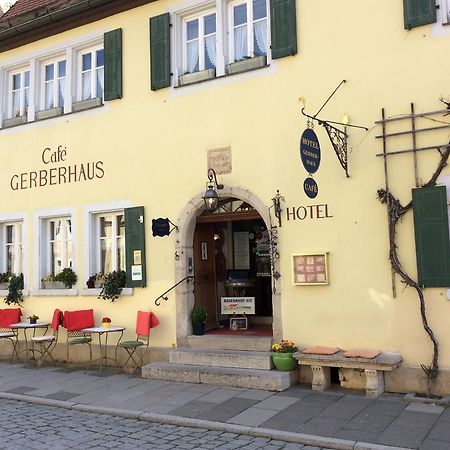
54 292
95 292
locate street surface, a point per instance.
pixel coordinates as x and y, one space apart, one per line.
29 426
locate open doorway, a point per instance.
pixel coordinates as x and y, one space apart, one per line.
232 269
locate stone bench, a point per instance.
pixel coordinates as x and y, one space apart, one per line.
372 367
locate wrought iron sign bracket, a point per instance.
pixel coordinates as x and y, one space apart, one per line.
338 138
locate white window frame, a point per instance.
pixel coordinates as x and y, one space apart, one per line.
249 25
56 80
9 219
64 240
16 244
22 88
201 37
93 78
90 247
41 253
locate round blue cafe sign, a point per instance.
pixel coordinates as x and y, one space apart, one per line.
310 151
310 187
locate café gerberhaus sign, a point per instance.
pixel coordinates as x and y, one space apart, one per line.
56 171
310 156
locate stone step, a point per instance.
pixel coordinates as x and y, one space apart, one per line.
227 342
221 358
271 380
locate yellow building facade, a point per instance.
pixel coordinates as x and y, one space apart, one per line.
74 161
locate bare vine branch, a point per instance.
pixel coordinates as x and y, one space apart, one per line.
395 212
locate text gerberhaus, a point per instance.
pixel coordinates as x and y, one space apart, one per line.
57 175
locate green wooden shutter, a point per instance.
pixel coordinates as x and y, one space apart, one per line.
283 28
135 242
419 12
113 64
432 236
160 51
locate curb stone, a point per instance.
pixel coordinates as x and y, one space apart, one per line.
298 438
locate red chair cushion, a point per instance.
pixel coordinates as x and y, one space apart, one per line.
9 316
145 320
77 320
57 319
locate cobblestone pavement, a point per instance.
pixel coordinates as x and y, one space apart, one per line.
28 426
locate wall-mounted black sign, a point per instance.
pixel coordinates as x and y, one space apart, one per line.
161 227
310 151
310 187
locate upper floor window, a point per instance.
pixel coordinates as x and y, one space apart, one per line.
12 247
19 98
200 43
54 82
91 82
110 242
249 29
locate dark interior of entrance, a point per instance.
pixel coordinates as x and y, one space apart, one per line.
232 263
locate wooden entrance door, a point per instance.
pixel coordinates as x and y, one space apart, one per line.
205 290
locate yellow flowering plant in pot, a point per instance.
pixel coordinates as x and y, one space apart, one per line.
283 355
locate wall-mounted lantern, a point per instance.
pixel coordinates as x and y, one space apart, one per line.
211 197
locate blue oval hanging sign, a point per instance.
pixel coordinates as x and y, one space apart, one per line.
310 151
310 187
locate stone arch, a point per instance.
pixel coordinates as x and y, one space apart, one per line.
184 295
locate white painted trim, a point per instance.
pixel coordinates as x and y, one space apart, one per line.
89 240
95 292
54 292
38 232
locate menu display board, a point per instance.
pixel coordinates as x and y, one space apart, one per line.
310 269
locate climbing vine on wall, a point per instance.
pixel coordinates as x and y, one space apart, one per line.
395 212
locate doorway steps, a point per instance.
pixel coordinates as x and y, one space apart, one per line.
238 361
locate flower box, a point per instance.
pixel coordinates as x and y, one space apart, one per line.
246 64
53 285
48 113
195 77
15 121
86 104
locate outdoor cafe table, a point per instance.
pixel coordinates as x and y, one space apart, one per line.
25 327
100 331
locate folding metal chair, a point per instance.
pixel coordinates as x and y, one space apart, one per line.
9 317
48 342
144 322
75 322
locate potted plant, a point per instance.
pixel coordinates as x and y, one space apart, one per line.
15 286
283 355
4 280
67 276
95 281
113 285
199 316
33 318
106 322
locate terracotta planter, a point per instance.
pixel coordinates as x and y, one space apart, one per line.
284 362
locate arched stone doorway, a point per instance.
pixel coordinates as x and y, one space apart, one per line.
184 260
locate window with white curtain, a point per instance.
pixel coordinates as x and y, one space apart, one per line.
110 242
248 29
12 250
54 82
58 244
19 93
91 74
199 48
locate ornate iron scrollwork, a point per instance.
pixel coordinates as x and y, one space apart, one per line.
338 139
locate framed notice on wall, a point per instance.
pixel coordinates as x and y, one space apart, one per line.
310 268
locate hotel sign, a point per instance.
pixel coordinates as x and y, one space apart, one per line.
310 151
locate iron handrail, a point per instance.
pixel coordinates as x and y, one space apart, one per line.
164 296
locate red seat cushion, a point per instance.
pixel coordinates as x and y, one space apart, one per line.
57 319
145 320
9 316
77 320
321 350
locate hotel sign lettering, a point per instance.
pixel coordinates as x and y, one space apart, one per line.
61 174
308 212
310 151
